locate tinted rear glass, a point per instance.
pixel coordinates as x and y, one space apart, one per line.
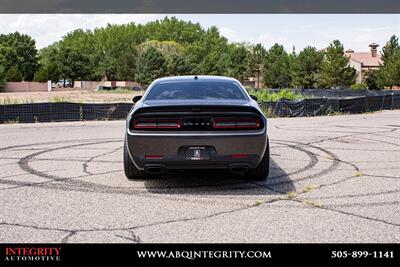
196 90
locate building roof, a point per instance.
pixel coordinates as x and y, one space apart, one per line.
365 58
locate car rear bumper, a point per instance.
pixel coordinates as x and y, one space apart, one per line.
238 149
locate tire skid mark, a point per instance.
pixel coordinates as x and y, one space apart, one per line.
82 186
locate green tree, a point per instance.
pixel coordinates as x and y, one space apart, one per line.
151 65
255 62
389 73
171 29
276 72
2 77
8 57
177 65
335 70
307 64
238 57
390 49
13 74
49 72
26 60
73 64
115 54
50 67
209 55
372 79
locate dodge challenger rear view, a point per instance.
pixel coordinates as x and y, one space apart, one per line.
196 122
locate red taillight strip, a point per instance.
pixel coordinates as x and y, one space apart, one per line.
144 124
157 124
229 123
173 124
232 123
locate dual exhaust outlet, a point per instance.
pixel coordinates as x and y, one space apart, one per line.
236 169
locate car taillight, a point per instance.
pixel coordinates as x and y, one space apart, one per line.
156 124
236 123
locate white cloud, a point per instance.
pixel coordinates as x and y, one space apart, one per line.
230 34
46 29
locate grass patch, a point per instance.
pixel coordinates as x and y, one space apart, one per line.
120 90
292 195
312 203
8 101
359 174
258 202
58 99
310 188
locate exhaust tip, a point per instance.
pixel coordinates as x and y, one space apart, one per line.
239 169
154 170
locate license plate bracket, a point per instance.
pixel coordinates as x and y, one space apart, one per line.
197 153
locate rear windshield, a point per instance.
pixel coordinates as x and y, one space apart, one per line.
196 90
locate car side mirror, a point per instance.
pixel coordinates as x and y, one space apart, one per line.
136 98
254 97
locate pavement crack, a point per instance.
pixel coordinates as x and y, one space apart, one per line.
85 164
65 239
134 237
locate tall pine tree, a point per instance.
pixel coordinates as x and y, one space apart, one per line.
277 73
335 69
389 73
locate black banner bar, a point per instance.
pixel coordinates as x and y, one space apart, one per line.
200 6
200 254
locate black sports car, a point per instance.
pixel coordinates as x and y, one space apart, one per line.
196 122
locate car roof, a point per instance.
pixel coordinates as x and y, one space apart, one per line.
193 77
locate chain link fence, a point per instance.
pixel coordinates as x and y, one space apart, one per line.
53 112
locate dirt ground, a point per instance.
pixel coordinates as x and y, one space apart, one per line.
68 96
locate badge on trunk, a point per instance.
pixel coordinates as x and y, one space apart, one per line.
197 153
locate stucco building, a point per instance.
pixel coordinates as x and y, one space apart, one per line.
363 62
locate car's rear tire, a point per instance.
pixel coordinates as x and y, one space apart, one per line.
260 173
131 172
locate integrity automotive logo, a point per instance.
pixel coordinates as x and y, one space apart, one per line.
32 254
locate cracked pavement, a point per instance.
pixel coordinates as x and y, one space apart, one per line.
332 179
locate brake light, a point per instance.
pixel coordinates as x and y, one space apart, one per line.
156 124
236 123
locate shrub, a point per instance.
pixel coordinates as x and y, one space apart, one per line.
264 96
359 86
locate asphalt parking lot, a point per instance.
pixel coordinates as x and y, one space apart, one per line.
332 179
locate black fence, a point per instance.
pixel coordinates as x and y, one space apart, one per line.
337 93
52 112
48 112
326 106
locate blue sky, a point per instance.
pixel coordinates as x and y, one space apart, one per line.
354 31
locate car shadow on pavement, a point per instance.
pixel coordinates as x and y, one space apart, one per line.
220 183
